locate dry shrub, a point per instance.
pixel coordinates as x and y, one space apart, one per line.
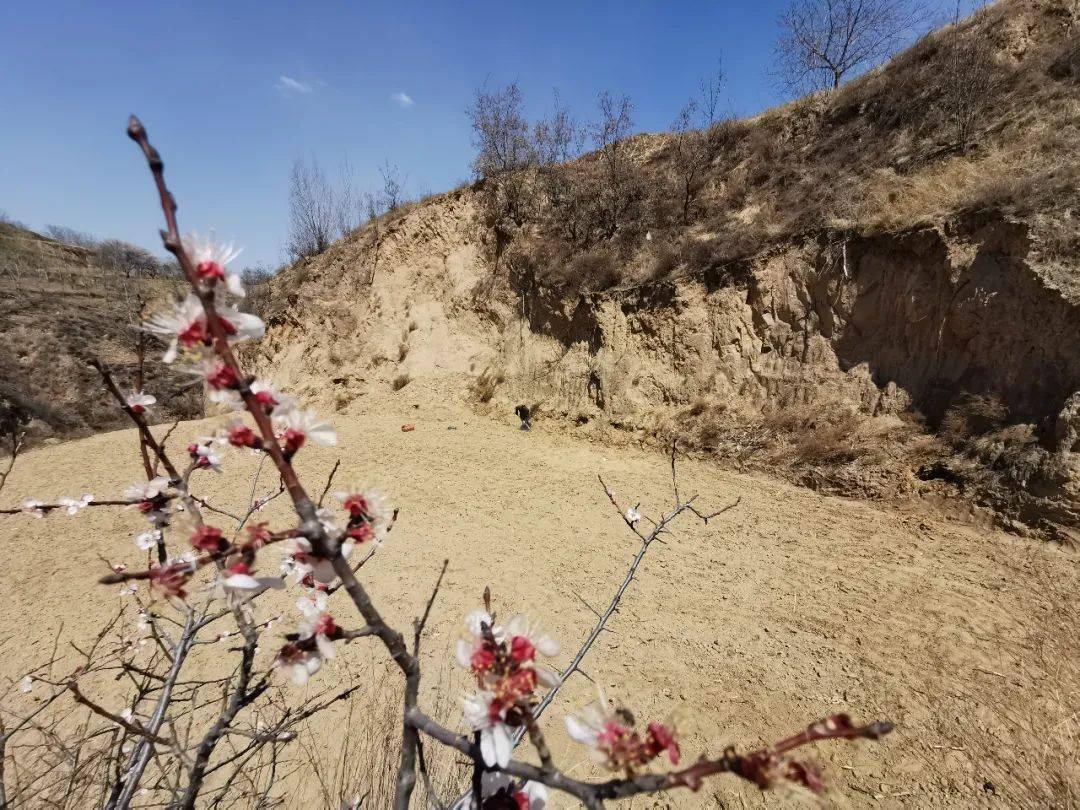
972 415
401 380
402 351
820 435
663 262
484 385
594 270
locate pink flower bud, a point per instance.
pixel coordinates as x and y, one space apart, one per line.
356 505
294 440
194 334
661 738
258 535
361 533
325 625
266 399
482 660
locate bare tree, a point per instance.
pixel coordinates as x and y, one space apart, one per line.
558 137
689 158
709 107
822 41
500 132
7 219
128 259
311 210
970 79
620 186
393 186
348 203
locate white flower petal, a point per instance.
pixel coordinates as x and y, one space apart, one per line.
487 747
244 582
504 744
579 732
464 652
234 284
547 646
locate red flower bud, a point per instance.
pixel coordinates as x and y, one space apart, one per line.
210 271
266 399
325 625
361 532
357 505
194 333
243 436
294 440
223 376
258 535
522 650
208 538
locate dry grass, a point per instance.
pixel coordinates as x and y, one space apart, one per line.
898 201
828 446
360 773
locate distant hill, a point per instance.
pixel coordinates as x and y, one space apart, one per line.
62 306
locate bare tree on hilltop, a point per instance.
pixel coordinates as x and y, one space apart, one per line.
969 80
823 41
620 184
500 132
393 186
311 210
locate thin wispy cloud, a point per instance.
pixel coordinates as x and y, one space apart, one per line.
402 100
288 86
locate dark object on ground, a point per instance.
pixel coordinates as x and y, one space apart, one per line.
525 415
940 470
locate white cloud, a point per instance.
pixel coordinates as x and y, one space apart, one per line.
402 100
289 86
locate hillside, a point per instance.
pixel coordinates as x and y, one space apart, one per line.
858 301
60 307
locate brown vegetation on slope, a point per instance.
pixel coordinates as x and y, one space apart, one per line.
60 307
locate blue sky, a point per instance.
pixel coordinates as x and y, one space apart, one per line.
233 92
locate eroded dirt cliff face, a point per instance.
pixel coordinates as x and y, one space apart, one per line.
884 323
862 342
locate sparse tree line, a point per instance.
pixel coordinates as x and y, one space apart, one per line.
591 211
536 171
321 211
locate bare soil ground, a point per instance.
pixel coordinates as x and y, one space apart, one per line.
788 607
